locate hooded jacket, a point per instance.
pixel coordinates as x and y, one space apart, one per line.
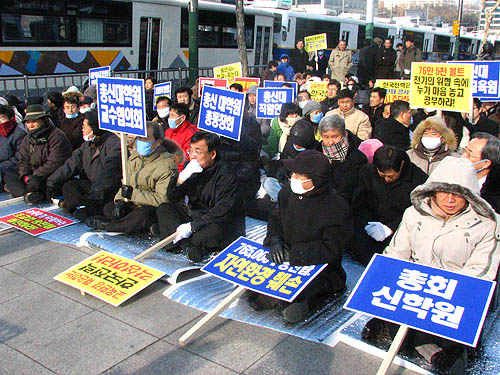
149 176
286 69
467 242
425 159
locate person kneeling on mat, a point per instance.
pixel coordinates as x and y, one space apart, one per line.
312 224
214 215
150 168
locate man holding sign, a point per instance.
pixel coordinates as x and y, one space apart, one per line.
302 235
449 226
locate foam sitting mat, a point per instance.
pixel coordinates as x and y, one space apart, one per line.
484 360
206 292
172 264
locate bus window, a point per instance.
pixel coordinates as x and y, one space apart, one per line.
35 29
307 27
441 43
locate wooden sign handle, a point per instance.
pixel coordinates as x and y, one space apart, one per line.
393 350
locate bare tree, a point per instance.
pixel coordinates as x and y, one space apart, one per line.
488 17
240 27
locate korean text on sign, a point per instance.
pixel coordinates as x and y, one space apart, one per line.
281 84
109 277
244 263
121 105
162 89
221 112
230 71
246 82
35 221
315 42
270 100
441 86
395 89
318 90
94 73
486 75
214 82
447 304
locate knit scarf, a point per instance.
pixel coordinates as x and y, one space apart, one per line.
6 127
40 135
285 127
337 151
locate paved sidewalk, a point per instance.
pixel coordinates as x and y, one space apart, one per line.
49 328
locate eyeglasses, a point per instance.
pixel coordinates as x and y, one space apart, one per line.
195 151
468 152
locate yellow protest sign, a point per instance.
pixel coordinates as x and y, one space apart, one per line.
318 90
441 86
395 89
230 71
315 42
109 277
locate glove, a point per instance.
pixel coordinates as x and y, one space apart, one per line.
378 231
34 183
278 253
407 71
127 191
119 210
183 231
192 167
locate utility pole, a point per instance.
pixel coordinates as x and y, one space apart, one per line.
193 41
369 19
240 27
457 37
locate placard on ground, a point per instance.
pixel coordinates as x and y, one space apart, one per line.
35 221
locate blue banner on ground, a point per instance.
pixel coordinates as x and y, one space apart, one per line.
162 89
244 263
94 73
269 101
279 84
221 111
485 82
121 105
443 303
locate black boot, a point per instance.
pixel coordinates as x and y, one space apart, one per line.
97 222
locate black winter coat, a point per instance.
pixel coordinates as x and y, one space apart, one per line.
98 161
386 60
344 176
317 227
72 127
393 133
328 104
299 59
214 197
9 149
490 191
42 155
485 125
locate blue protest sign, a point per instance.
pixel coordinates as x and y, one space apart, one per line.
279 84
121 105
486 75
443 303
102 71
269 101
244 263
221 111
161 89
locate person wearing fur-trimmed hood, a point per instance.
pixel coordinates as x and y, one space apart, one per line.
432 141
448 226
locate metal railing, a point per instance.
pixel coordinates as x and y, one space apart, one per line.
41 85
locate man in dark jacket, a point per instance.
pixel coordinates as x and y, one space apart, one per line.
367 57
410 54
185 95
268 74
214 216
381 198
479 122
55 101
341 148
311 225
483 151
299 57
98 163
376 107
385 61
71 124
11 137
330 102
394 131
42 151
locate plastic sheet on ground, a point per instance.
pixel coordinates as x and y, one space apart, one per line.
205 292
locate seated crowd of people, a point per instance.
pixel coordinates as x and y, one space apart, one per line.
339 176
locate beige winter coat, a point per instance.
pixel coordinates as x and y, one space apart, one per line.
356 121
466 243
340 62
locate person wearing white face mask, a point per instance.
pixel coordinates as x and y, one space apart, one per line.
98 163
163 104
310 225
85 105
432 141
280 129
483 151
72 122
